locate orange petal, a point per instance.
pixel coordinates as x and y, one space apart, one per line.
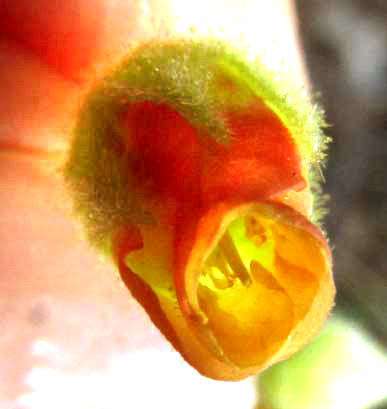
262 159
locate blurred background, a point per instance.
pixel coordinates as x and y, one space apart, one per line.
346 51
345 42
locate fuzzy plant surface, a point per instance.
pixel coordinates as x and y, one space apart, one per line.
196 172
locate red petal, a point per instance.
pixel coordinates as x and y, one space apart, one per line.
261 161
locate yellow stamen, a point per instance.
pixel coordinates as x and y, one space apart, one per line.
255 232
233 258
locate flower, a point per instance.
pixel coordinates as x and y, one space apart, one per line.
193 170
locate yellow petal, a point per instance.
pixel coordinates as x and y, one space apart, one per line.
256 284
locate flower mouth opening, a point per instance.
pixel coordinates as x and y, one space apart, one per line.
225 266
256 284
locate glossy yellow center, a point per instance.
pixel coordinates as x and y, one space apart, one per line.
257 284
